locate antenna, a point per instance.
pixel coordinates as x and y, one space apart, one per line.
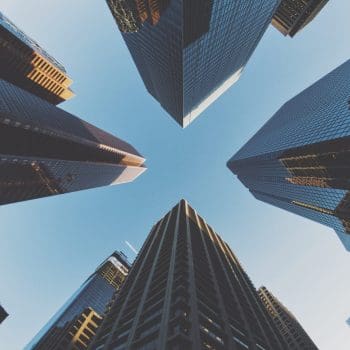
134 250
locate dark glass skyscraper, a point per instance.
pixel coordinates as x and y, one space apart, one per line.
25 64
3 314
299 159
293 15
285 321
188 53
79 318
76 334
46 151
187 290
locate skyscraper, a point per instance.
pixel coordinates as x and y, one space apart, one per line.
75 324
46 151
25 64
187 290
299 159
76 334
293 15
3 314
293 333
189 53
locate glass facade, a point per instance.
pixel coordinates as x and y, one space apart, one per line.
75 334
195 50
25 64
298 159
187 290
47 151
11 27
293 15
96 293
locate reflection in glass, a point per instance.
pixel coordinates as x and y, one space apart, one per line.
78 320
24 63
46 151
299 160
189 53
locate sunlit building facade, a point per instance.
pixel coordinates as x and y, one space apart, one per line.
293 15
187 290
3 314
292 331
25 64
189 53
299 159
76 334
75 324
46 151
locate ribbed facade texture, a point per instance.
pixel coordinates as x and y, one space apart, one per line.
187 290
75 324
299 159
46 151
293 333
293 15
188 53
25 64
3 314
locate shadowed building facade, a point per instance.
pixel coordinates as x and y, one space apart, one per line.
3 314
293 333
299 160
189 53
46 151
293 15
25 64
76 323
187 290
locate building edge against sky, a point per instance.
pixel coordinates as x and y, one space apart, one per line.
298 160
293 15
3 314
24 63
46 151
76 323
294 334
188 53
186 289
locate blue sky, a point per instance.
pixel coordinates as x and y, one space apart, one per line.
49 246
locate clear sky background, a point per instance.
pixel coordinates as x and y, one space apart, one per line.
49 246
